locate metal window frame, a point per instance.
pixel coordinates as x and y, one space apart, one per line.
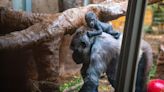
126 76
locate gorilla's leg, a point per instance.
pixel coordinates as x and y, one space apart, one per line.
141 76
111 72
93 73
84 70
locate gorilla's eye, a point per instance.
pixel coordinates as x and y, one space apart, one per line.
78 33
83 44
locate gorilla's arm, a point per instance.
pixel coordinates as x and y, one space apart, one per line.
147 50
144 66
93 73
98 31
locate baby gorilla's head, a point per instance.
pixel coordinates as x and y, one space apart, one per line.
91 19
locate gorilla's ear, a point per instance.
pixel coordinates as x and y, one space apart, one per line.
83 44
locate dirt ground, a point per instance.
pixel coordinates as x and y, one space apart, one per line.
155 40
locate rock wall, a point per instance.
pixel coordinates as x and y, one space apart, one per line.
40 6
45 6
6 3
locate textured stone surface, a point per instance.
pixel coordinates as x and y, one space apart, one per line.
6 3
45 6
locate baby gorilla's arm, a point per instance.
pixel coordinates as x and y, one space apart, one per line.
98 30
109 29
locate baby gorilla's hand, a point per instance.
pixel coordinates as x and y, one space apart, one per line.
89 34
117 35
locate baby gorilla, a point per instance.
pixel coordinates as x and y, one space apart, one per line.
100 54
93 22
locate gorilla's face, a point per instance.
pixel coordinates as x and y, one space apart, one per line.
91 22
91 19
80 45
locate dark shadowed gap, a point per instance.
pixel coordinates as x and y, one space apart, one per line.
130 46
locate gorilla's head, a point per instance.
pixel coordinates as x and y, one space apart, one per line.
80 45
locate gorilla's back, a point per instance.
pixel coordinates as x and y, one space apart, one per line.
107 46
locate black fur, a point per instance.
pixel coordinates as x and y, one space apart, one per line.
99 55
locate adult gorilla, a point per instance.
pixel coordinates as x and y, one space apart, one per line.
100 54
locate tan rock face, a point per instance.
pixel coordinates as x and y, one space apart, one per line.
96 1
6 3
45 6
